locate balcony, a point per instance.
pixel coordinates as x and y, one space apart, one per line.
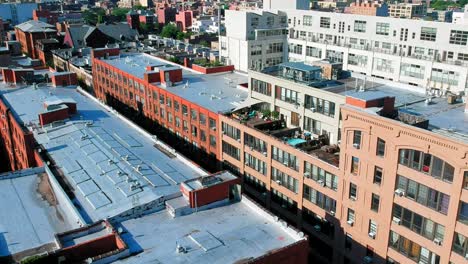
314 145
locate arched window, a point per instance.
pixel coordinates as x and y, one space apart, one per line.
426 163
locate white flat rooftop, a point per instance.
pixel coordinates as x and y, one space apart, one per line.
216 92
228 234
110 165
30 214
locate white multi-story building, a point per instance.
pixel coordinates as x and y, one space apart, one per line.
461 17
430 55
208 24
254 39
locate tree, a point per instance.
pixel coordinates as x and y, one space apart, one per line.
169 31
94 16
139 7
120 13
204 43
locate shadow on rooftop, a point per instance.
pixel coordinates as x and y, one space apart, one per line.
94 115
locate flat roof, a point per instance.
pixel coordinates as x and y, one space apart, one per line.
227 234
299 66
111 166
31 214
216 92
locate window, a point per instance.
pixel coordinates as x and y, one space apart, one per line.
372 227
202 119
255 143
412 250
307 20
325 22
212 141
295 48
287 95
334 56
176 106
444 76
426 163
462 56
319 199
321 106
412 70
352 191
424 195
359 26
378 175
202 135
463 213
231 150
357 60
285 158
255 183
184 110
261 87
383 65
357 139
380 147
428 33
418 224
256 164
212 124
351 216
284 180
312 125
460 244
313 52
465 180
382 29
354 165
193 114
375 202
231 131
458 37
275 48
285 202
318 174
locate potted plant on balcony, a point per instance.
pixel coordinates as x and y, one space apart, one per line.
266 114
275 115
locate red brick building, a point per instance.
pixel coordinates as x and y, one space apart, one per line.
175 99
184 20
29 32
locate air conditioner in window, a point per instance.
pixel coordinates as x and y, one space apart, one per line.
372 235
350 222
307 174
238 140
332 213
356 145
400 192
286 164
251 148
278 182
265 154
437 241
321 183
466 256
396 220
313 109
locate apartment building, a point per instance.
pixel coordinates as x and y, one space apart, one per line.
407 10
362 200
254 39
369 8
182 102
430 55
405 180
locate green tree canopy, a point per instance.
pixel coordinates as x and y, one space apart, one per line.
120 13
170 31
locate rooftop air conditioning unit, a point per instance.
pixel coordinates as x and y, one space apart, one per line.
400 192
350 222
396 220
437 241
356 145
322 183
372 235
